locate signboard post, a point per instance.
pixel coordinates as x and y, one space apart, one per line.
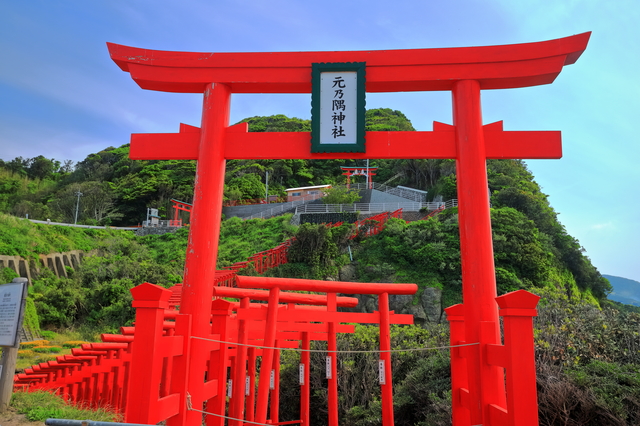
12 302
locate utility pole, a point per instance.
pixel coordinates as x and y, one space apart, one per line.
266 180
368 182
79 194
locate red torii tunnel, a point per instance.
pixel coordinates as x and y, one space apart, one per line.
463 71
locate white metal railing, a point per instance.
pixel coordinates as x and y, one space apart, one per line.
373 207
303 206
276 210
48 222
451 203
408 193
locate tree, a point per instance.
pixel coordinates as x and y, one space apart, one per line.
340 195
249 185
40 167
17 166
66 201
98 201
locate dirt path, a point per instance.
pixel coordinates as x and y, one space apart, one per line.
11 418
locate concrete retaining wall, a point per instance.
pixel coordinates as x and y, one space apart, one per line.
56 262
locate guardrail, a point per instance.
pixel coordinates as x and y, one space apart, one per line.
48 222
277 210
373 207
408 193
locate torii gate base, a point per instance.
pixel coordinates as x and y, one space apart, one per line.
463 71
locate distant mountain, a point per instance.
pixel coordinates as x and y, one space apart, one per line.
624 290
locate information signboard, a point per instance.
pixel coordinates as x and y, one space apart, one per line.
11 296
338 107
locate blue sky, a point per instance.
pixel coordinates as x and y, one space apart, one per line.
62 97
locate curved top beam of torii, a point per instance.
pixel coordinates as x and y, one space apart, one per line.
494 67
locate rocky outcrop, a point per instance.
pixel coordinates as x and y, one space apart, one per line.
426 306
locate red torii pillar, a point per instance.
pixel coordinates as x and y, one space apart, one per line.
463 71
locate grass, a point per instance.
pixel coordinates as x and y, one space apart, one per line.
40 405
57 344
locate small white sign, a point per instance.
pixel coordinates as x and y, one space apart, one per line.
301 374
381 372
329 370
272 380
229 387
338 107
247 384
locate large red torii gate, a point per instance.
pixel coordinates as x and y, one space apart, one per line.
463 71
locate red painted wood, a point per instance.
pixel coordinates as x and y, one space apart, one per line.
236 408
251 373
274 407
306 299
145 404
517 310
486 384
322 316
305 387
325 286
267 357
202 249
380 145
385 357
459 374
494 67
332 356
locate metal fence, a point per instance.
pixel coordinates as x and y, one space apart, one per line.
373 207
277 210
404 192
48 222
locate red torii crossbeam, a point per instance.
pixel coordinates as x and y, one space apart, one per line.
463 71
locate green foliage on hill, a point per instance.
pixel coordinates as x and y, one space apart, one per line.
96 294
340 195
19 237
117 190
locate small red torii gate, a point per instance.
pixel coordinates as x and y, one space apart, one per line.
179 206
359 171
463 71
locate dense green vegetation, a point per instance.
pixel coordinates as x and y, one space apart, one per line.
117 190
96 294
587 347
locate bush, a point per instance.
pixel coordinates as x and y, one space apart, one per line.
47 349
73 344
34 344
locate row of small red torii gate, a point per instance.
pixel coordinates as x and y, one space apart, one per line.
478 371
141 372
